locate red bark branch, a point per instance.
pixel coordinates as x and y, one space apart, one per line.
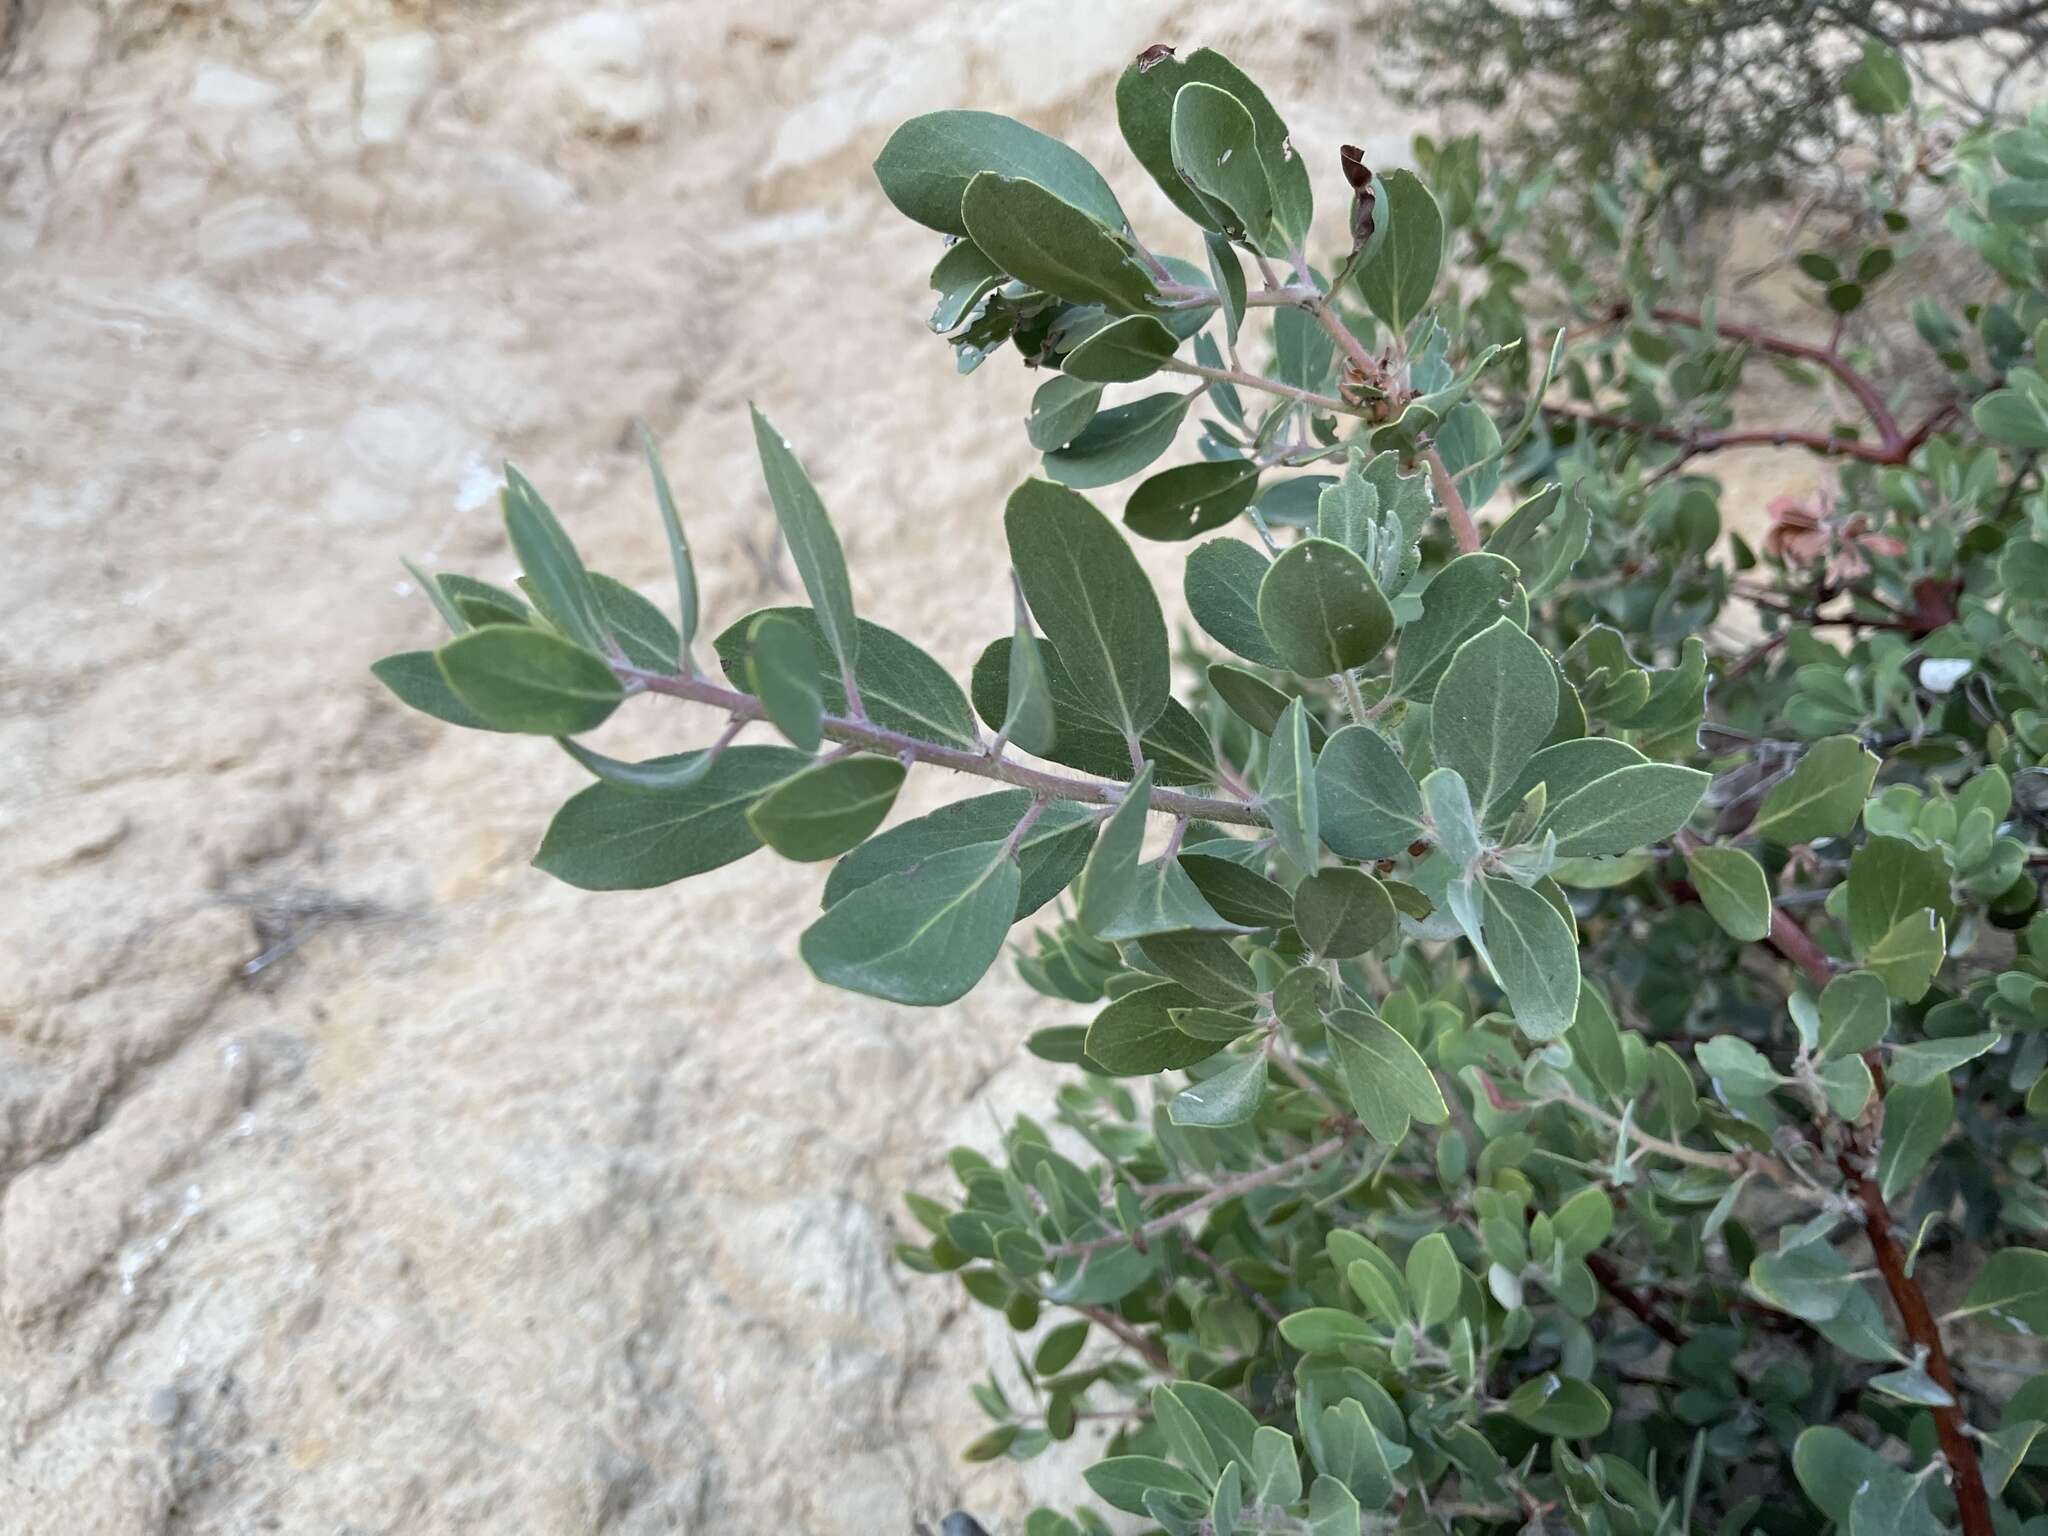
1973 1504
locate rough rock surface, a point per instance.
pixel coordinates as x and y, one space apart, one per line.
354 1177
481 1203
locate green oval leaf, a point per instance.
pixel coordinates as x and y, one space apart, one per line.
1342 912
1049 855
1215 151
783 669
1630 808
828 808
1117 443
925 167
1371 805
1559 1405
921 936
518 678
1145 97
1191 499
1388 1081
1121 352
613 838
1222 590
1733 889
1535 955
1821 797
1321 610
1494 707
1041 239
1399 271
1229 1097
1094 602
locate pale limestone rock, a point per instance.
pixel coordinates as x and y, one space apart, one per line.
398 72
250 228
224 100
603 71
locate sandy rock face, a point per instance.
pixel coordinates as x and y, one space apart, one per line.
354 1176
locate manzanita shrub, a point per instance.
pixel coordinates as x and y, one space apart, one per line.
1532 1068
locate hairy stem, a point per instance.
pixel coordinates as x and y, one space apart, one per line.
1462 527
1678 1152
873 738
1256 381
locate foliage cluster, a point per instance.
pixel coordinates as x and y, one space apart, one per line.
1542 1071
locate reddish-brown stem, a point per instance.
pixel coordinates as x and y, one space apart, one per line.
1867 394
1455 511
1856 1161
1644 1311
1790 939
1973 1504
1893 446
1693 444
1153 1351
1230 1277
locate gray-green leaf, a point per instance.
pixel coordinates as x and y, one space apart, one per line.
1321 609
612 838
1855 1013
1028 713
1094 602
1466 596
1916 1122
1370 805
783 668
1288 789
1733 889
514 677
1342 912
813 544
1399 271
925 167
922 936
678 545
1388 1081
1038 237
1110 876
1117 443
1821 797
1630 808
828 808
1229 1097
1222 590
1535 955
1494 706
1215 151
555 572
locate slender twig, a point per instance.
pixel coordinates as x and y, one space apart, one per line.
1222 1190
1153 1351
864 734
1641 1306
1229 1277
1678 1152
1256 381
1867 394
